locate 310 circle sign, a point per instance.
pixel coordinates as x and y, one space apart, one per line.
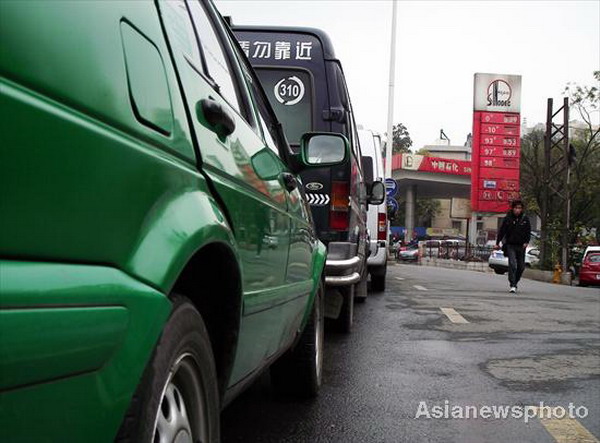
289 90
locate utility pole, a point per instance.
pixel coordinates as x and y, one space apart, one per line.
390 116
567 190
544 249
557 164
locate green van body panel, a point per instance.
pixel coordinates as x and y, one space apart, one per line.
69 376
111 182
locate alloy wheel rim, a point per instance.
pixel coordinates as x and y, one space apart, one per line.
181 415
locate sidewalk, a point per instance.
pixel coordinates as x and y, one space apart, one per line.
532 274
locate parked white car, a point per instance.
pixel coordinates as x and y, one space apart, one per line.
499 263
409 253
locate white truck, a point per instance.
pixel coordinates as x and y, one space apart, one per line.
372 162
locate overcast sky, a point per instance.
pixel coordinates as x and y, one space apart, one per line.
440 45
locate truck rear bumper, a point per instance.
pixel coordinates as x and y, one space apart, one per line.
378 255
342 280
342 267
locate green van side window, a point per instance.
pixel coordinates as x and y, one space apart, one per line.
148 87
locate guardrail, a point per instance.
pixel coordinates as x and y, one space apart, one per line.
455 251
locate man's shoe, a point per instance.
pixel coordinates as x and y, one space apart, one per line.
513 290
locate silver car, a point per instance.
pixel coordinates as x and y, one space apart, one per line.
499 262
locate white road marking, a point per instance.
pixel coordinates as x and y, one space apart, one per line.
454 316
565 429
420 288
399 278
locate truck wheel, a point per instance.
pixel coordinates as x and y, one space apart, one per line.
177 398
299 371
360 290
500 271
346 319
378 278
378 282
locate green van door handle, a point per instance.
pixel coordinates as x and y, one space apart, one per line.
215 117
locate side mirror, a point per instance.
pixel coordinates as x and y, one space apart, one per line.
321 149
377 194
266 164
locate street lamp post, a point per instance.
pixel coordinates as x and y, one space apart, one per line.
390 116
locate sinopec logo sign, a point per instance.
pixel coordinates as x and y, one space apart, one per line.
497 93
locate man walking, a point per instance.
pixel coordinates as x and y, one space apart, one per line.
514 234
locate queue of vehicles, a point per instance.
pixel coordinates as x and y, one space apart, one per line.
308 92
180 219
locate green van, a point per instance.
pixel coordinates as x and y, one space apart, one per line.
156 248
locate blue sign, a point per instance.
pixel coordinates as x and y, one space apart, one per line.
391 187
392 204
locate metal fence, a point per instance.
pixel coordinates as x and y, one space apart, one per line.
455 251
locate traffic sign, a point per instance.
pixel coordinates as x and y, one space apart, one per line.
392 204
391 187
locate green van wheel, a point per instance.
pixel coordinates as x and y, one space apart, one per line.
299 371
177 399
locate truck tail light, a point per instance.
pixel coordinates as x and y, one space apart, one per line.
338 220
338 215
382 226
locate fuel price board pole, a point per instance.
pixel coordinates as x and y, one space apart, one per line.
496 148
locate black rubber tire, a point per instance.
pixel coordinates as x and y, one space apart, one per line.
378 283
378 279
361 288
499 271
346 319
299 371
183 335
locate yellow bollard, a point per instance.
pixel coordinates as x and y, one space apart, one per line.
556 278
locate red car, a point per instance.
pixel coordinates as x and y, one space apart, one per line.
589 273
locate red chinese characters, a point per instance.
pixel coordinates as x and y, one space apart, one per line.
496 160
445 166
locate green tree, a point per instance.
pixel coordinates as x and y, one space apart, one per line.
584 138
401 139
585 207
532 165
426 210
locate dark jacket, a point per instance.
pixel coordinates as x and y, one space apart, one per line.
514 230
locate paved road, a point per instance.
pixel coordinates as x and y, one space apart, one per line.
542 345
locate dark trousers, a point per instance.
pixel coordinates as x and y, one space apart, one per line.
516 263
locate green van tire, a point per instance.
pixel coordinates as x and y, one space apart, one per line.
299 372
178 395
